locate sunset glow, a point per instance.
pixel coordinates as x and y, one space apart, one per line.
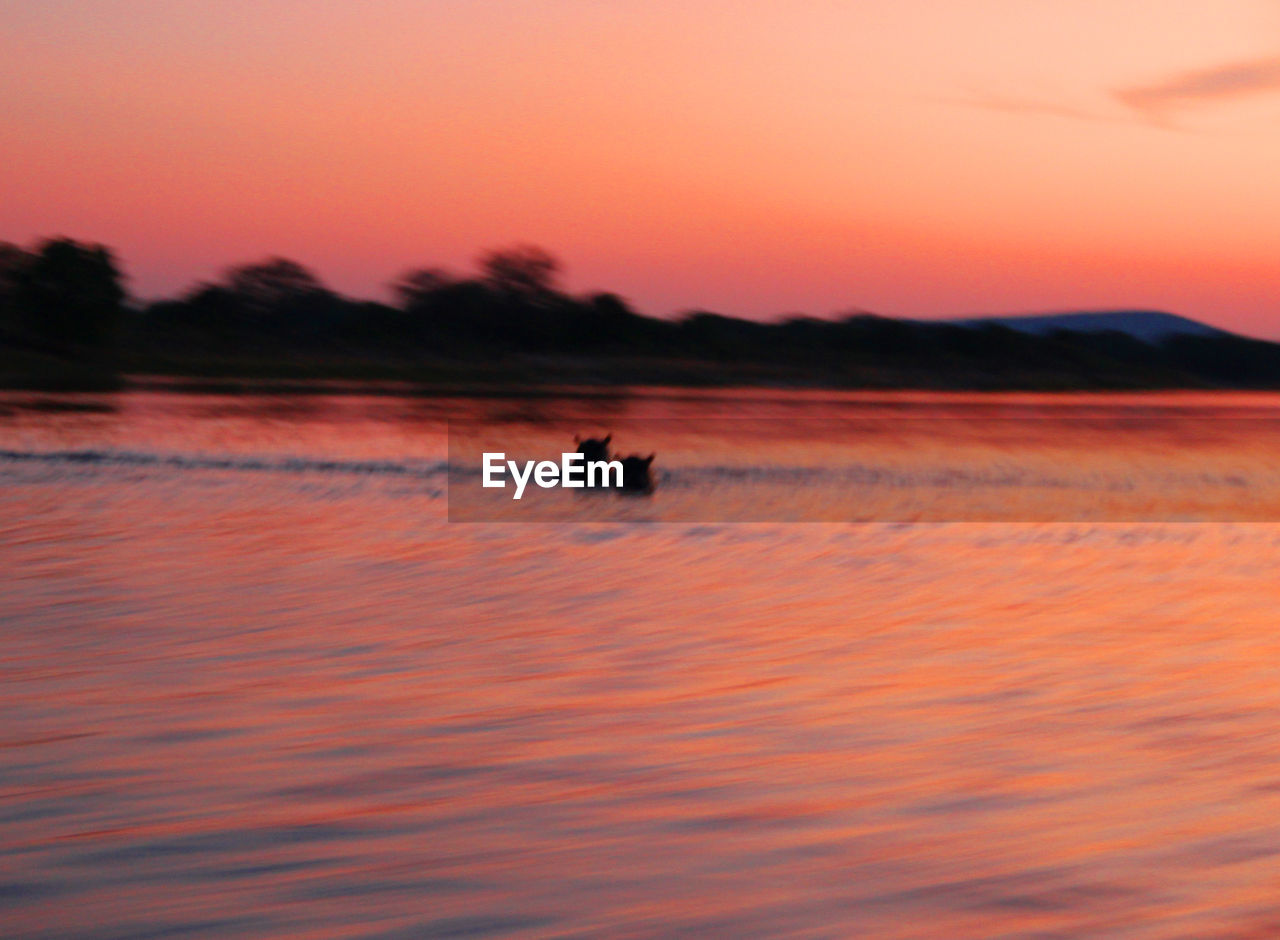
911 158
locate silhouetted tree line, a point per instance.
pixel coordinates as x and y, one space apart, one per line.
67 299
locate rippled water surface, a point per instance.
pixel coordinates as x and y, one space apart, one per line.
254 683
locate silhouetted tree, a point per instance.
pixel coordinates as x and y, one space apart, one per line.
610 307
267 286
524 270
69 295
414 287
210 317
13 261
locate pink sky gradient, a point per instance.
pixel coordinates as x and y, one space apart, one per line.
909 157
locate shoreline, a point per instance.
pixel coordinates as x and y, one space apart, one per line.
548 376
552 389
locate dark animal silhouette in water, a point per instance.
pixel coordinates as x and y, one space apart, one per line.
637 478
593 448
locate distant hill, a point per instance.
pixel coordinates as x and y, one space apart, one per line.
1149 326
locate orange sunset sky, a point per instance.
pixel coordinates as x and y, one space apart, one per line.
907 157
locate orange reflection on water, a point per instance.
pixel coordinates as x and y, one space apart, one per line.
253 702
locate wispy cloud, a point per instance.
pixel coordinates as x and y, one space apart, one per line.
1156 103
1224 83
1033 106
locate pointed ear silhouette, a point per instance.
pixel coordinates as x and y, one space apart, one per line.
608 438
648 460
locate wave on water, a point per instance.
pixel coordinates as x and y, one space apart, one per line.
691 476
117 458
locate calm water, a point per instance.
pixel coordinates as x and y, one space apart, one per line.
254 683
